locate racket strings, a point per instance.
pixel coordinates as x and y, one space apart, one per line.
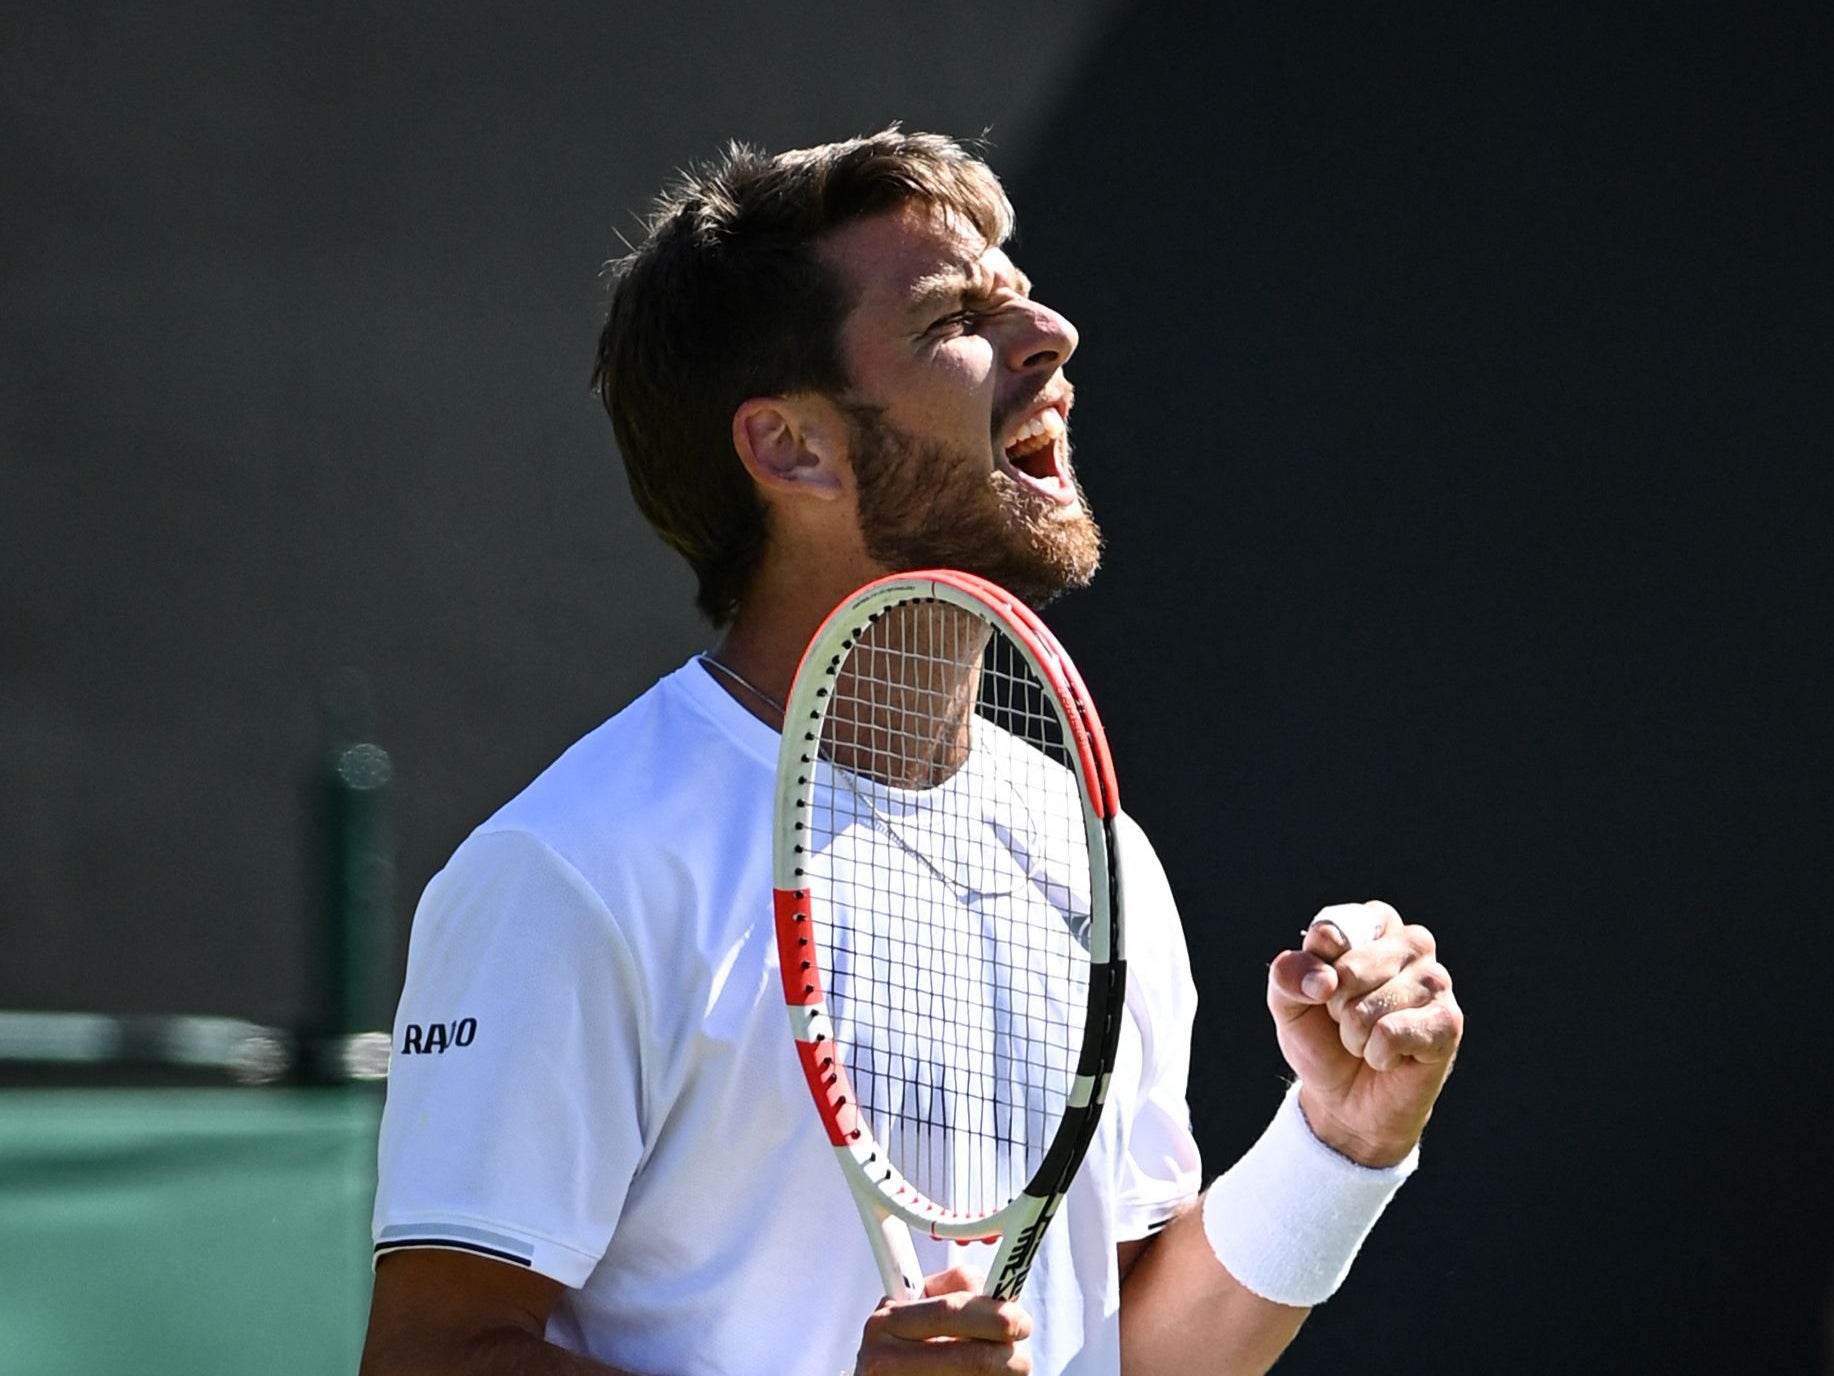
950 828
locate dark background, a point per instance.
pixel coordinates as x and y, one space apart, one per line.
1453 391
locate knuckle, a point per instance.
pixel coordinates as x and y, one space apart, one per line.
961 1276
1353 1036
1441 1032
1366 1012
1359 971
1395 996
1433 978
1419 940
1348 1008
1455 1018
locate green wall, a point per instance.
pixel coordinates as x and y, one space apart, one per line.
184 1231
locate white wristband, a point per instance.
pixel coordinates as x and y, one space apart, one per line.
1289 1217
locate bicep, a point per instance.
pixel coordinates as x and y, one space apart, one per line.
1127 1253
432 1307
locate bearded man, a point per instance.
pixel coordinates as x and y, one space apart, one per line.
822 367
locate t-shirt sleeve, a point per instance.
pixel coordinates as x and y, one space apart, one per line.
1162 1168
514 1117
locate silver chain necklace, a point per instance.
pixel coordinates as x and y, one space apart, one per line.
742 681
885 823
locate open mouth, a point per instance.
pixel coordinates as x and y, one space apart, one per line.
1038 455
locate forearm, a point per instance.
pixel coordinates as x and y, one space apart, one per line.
437 1312
507 1351
1183 1314
1286 1221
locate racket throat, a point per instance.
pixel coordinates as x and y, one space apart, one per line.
896 1257
1012 1262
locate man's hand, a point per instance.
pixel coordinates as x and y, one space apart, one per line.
952 1329
1370 1028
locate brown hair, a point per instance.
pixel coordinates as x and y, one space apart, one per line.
725 299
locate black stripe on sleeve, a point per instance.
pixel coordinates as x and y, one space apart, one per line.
451 1245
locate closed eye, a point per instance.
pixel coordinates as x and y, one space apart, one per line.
966 318
970 316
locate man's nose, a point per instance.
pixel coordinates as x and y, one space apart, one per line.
1045 339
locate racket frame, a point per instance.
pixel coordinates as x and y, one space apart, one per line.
889 1205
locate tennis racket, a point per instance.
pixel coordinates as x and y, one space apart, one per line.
948 914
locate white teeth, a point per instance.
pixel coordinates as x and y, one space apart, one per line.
1045 425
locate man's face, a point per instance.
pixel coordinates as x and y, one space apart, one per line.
959 408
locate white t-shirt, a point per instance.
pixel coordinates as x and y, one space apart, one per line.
594 1076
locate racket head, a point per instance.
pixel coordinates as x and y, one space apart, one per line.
931 711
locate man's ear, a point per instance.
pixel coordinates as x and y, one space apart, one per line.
792 445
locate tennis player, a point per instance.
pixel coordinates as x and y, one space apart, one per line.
598 1154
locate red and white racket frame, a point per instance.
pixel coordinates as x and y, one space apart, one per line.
888 1203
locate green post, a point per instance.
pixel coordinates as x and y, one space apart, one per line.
356 942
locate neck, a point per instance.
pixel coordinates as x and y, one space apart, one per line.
923 663
904 701
781 612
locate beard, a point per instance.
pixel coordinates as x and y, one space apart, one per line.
925 504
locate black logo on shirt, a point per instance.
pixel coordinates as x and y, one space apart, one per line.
437 1036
